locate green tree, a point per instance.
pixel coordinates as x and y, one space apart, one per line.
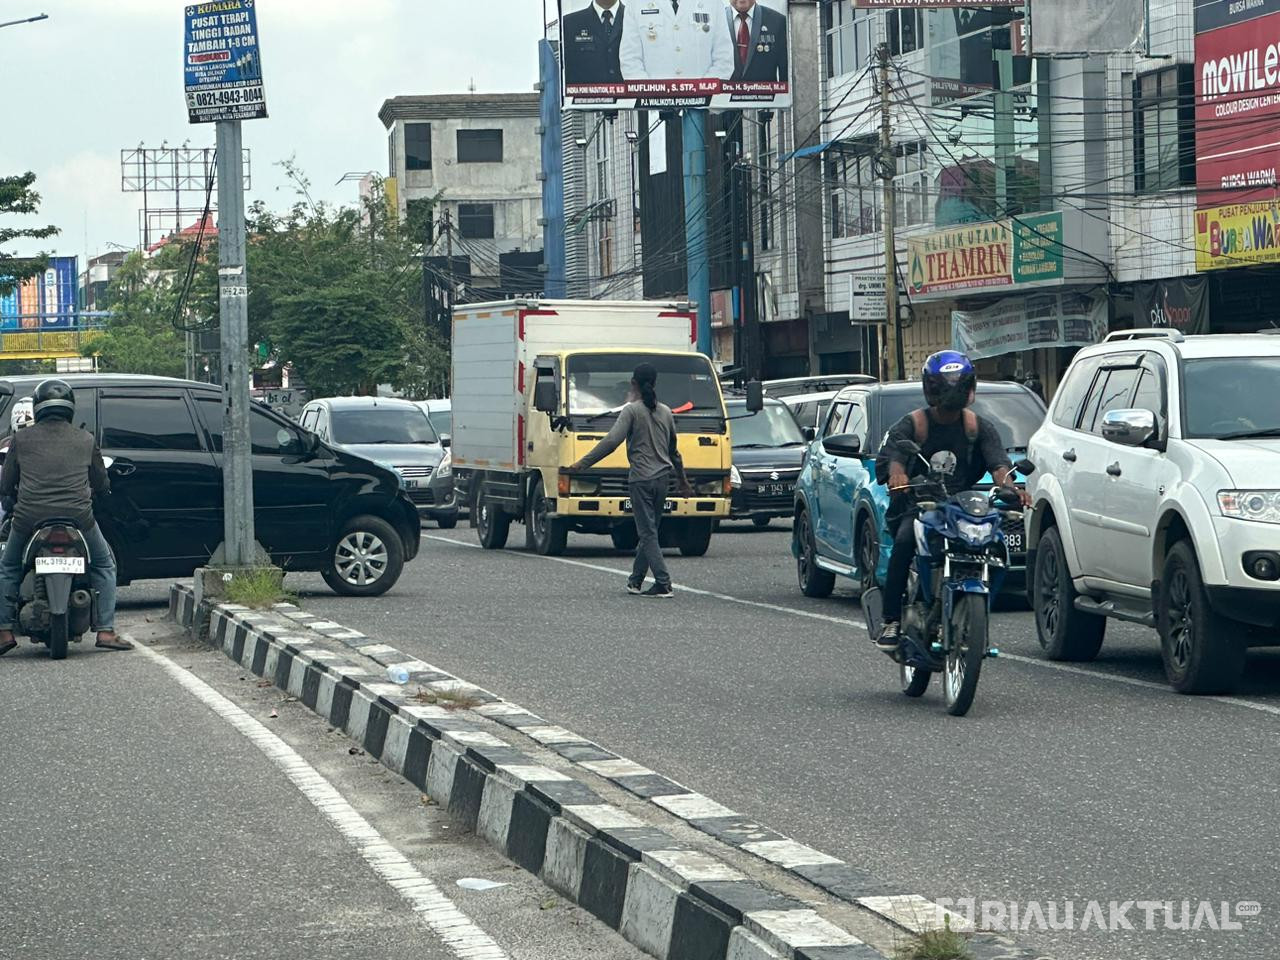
143 301
17 197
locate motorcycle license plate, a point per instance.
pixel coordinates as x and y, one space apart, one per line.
1014 542
668 506
59 564
776 489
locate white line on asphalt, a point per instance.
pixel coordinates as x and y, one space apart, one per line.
1046 664
454 928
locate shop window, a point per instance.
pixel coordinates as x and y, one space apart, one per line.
1164 133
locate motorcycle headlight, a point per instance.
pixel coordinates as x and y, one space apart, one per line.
975 533
735 477
445 467
1260 505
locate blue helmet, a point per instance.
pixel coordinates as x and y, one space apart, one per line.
949 380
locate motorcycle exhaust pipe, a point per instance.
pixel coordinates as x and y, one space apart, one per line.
81 599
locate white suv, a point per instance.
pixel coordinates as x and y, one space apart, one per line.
1157 500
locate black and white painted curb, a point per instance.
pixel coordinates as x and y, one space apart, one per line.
667 898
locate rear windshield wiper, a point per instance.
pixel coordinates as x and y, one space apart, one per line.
1251 434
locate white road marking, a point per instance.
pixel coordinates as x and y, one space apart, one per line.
858 625
454 928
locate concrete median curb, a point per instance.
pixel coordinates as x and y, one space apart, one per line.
670 900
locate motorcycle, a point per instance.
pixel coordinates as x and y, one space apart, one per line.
961 559
55 601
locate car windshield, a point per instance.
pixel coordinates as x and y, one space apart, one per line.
441 421
381 425
1015 415
601 383
774 426
1231 397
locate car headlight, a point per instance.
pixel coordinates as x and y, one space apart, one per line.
735 477
445 467
1260 505
975 533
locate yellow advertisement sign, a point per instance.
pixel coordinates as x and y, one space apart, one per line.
1238 235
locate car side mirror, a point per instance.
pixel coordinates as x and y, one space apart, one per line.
546 396
1129 428
755 396
809 434
1025 467
844 445
446 441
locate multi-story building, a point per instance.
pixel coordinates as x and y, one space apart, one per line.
464 169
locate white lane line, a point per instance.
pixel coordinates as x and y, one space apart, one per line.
454 928
845 621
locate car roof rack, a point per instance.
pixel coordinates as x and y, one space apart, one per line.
1147 333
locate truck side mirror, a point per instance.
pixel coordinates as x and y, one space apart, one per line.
545 396
755 396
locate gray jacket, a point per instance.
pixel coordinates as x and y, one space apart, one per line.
651 441
53 470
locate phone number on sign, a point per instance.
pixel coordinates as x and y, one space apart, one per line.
225 98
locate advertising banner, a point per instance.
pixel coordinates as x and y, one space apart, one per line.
1237 100
1180 302
60 282
1089 26
877 4
1029 323
996 253
9 310
223 65
654 54
1237 235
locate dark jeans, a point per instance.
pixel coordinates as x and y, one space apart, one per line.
647 499
900 560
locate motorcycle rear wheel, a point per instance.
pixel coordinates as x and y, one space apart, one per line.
58 631
965 653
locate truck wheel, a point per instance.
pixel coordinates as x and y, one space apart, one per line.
366 560
814 581
544 533
624 536
1200 649
696 537
492 523
1064 632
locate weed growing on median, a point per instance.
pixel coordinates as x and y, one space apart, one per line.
259 588
944 944
449 699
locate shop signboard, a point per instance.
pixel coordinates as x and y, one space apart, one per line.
1032 322
997 253
1237 235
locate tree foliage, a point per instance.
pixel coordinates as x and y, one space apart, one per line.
140 335
17 198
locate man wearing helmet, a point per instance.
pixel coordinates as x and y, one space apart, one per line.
949 382
52 471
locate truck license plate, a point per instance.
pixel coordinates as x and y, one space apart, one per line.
668 506
59 564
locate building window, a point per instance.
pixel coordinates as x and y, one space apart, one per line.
768 159
602 212
855 191
905 29
392 165
479 146
911 185
1164 133
417 146
420 215
848 37
475 221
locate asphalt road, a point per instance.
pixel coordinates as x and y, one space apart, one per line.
141 825
1094 784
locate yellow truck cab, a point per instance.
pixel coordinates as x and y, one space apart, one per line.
536 384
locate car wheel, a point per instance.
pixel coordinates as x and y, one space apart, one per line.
492 523
366 560
1064 632
696 538
868 554
447 521
814 581
545 534
1201 652
624 535
760 522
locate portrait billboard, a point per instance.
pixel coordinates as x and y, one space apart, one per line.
655 54
1075 27
1237 90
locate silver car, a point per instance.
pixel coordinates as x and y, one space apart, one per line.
393 433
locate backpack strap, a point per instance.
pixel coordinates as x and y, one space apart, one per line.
920 423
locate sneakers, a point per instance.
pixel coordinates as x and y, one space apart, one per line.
658 590
635 589
890 637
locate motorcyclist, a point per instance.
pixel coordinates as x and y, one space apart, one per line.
52 471
949 382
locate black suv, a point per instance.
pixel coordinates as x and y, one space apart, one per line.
315 508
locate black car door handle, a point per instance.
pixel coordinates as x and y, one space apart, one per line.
1114 469
1069 456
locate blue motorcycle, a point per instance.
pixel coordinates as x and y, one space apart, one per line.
961 559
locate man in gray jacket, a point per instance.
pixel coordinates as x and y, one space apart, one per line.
52 471
649 430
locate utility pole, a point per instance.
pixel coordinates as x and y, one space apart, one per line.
697 263
887 168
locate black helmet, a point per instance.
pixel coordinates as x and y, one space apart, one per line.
54 398
949 379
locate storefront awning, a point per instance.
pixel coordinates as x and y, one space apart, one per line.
816 150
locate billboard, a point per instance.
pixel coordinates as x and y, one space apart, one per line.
1237 235
653 54
45 300
877 4
1237 101
1089 26
222 62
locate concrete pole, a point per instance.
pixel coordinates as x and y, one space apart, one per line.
697 263
233 300
888 167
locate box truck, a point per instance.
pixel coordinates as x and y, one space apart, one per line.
536 383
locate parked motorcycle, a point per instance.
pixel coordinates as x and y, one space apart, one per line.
55 602
961 558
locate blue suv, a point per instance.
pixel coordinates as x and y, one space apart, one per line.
839 508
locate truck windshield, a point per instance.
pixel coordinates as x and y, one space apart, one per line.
601 383
381 425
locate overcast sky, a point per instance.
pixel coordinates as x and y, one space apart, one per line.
102 75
